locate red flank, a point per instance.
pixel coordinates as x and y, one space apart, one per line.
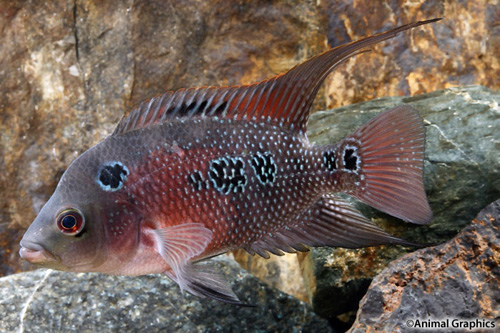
198 172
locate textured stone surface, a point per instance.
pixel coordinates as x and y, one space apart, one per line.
291 273
462 158
50 301
462 175
70 69
457 280
463 49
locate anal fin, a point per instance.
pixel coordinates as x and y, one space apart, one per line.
178 245
331 221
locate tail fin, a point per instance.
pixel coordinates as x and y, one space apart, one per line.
387 155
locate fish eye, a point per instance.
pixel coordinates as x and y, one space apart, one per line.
70 221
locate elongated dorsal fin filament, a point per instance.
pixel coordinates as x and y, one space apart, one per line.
284 100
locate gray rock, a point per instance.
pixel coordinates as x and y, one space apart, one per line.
462 167
69 70
462 175
454 282
48 301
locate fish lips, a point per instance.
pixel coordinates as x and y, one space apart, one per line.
36 254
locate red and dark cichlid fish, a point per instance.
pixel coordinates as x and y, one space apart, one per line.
198 172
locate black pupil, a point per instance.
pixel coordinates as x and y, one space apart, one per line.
68 222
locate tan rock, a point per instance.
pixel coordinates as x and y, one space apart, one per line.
68 74
462 49
451 283
292 273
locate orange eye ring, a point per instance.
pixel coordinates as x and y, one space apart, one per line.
70 221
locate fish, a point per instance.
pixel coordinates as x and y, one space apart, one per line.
195 173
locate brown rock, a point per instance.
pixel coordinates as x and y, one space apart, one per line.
462 49
39 126
456 280
68 72
291 273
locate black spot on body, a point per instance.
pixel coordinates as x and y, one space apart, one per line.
228 175
350 160
197 181
330 160
112 176
264 167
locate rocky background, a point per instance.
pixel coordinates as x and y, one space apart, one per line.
53 301
70 69
462 176
457 281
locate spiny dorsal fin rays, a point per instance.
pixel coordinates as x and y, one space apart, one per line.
284 100
309 92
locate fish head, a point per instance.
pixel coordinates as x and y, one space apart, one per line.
72 232
65 236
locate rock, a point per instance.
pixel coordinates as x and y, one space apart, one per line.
462 159
462 174
69 70
458 280
291 273
46 300
460 50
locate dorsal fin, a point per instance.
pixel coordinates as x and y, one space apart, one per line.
283 100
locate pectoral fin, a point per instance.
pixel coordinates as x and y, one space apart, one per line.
178 245
203 280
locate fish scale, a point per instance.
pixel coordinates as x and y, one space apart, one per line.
198 172
300 185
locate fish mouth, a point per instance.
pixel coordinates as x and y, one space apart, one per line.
36 254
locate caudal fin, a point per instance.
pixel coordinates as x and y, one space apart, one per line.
387 157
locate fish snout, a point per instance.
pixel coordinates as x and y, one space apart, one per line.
35 253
